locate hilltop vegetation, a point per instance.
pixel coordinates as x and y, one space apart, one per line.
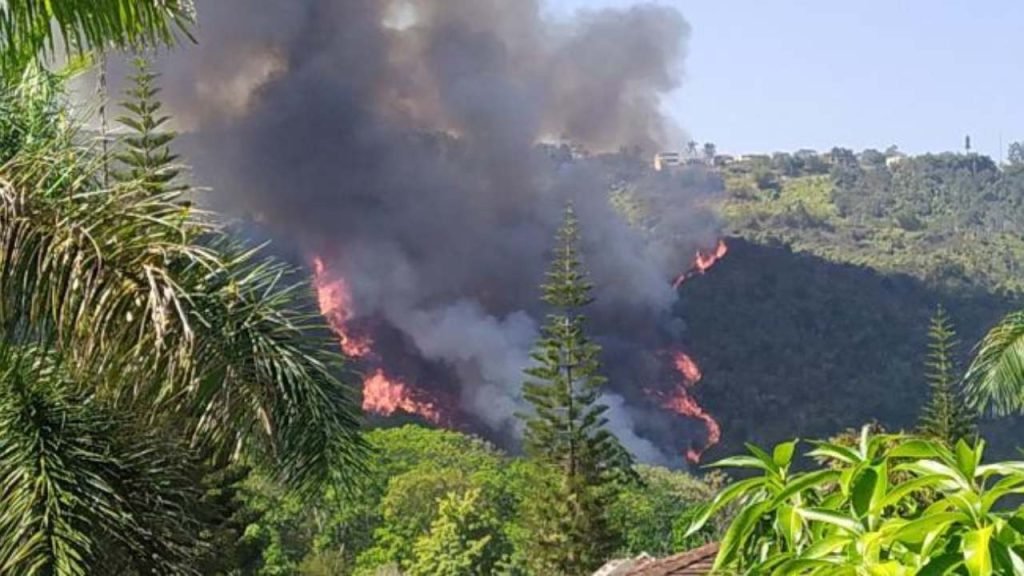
953 221
820 311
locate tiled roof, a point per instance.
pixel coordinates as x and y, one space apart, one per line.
696 562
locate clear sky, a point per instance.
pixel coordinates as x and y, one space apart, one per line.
787 74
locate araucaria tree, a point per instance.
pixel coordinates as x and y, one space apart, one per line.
946 417
145 155
568 429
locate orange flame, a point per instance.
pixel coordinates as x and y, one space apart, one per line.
381 394
687 367
335 300
681 402
703 262
385 396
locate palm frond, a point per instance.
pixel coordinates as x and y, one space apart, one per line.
266 361
82 486
158 306
31 27
995 380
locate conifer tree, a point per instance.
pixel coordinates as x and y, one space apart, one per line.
946 416
145 155
568 430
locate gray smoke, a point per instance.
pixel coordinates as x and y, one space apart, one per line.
398 140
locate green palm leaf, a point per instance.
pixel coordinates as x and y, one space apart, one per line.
153 302
31 27
81 485
995 380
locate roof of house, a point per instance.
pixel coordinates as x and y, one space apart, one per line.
693 563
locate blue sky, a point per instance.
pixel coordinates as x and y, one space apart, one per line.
789 74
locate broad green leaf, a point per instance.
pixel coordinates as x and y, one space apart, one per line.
863 491
916 449
783 454
907 488
724 498
835 452
827 546
764 457
966 458
743 462
890 568
805 566
833 518
816 480
1007 560
1003 468
737 534
1005 487
926 467
977 555
917 530
789 524
941 565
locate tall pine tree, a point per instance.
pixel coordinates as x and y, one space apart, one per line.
568 429
145 155
946 416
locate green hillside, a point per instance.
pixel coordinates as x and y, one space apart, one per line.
816 320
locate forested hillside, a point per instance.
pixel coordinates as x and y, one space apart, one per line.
816 321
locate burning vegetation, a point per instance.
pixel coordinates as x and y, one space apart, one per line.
417 162
386 395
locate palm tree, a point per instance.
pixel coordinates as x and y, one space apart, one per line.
150 317
29 28
86 485
995 379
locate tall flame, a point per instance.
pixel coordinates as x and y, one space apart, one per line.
680 400
382 394
335 300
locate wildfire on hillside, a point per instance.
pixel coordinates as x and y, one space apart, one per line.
680 400
382 394
703 262
385 396
335 300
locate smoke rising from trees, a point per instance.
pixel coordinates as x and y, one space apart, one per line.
397 140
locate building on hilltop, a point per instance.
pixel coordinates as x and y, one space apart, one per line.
894 159
663 160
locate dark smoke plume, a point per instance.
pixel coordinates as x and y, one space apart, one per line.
398 140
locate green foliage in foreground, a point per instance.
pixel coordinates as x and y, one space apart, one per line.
84 485
414 503
138 339
861 513
30 28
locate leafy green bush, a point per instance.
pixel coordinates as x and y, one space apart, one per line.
855 517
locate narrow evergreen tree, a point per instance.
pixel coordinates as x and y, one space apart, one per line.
946 416
568 429
145 155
